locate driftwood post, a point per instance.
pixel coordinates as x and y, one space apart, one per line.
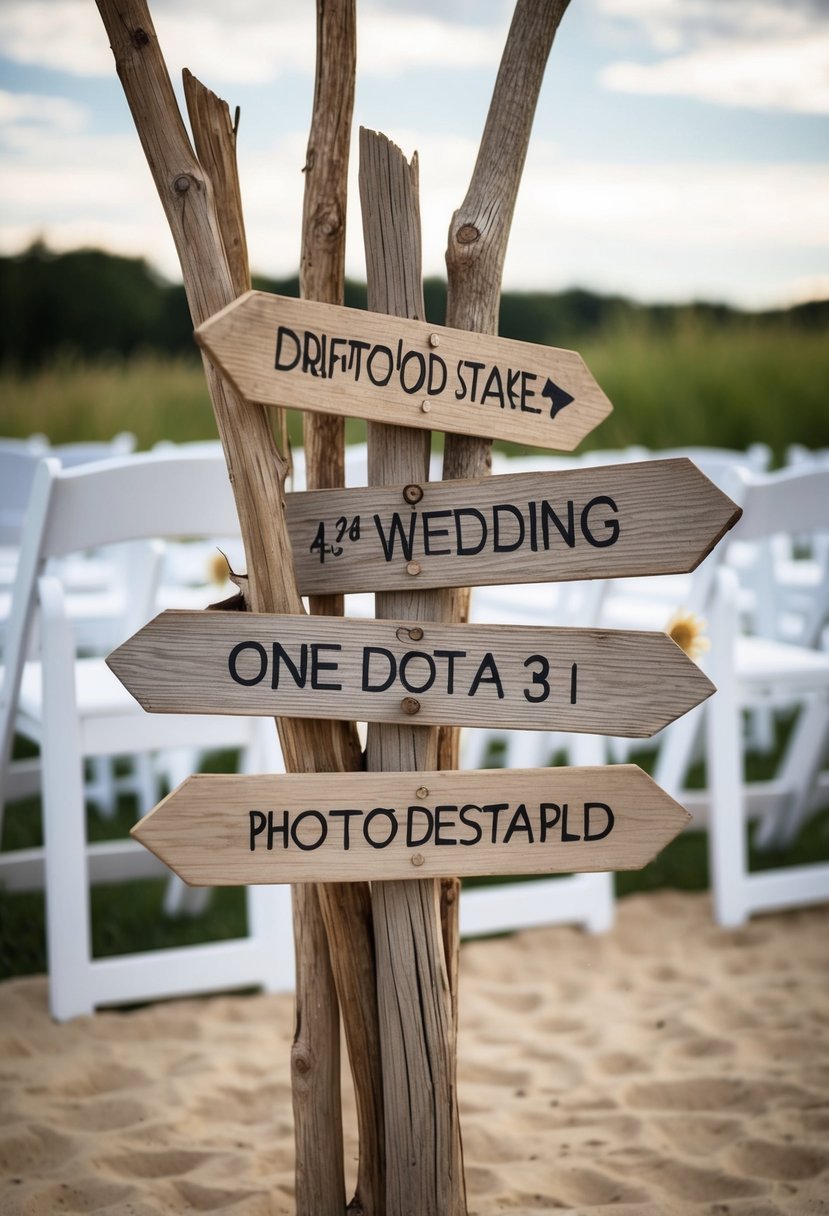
478 237
322 278
423 1152
257 473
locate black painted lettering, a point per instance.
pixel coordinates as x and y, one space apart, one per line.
346 816
513 391
474 368
499 546
487 673
396 533
380 652
334 356
257 826
532 511
317 666
415 384
611 525
494 809
473 823
520 822
313 354
431 671
284 337
233 660
461 390
430 532
442 824
450 656
546 821
609 820
412 841
275 829
574 678
437 375
527 392
280 655
568 533
493 388
379 380
309 846
565 835
464 547
538 677
392 831
355 356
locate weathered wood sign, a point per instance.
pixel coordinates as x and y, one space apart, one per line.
613 521
620 682
220 830
276 351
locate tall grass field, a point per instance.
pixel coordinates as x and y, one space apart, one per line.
693 383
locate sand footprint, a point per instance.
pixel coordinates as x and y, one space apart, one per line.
700 1135
690 1182
163 1164
781 1162
709 1094
201 1198
82 1195
25 1149
106 1114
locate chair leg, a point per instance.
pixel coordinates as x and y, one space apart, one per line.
68 917
727 844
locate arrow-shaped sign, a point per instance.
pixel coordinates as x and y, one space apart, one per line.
604 681
613 521
281 351
218 830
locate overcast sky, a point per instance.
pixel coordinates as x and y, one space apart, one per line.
679 150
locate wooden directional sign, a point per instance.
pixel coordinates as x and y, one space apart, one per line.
614 521
218 830
529 678
282 351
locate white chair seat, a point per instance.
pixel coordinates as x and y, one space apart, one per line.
764 664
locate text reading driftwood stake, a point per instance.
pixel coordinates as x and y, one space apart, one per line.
345 361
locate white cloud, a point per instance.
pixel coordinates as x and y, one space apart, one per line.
249 42
753 53
19 110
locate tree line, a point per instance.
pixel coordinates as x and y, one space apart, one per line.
92 305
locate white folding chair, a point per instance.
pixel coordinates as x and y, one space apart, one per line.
751 670
74 707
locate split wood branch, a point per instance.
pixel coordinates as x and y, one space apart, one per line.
423 1152
478 236
322 278
257 473
322 262
214 136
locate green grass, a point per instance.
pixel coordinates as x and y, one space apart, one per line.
130 918
685 384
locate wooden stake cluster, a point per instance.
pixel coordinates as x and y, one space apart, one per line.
402 1004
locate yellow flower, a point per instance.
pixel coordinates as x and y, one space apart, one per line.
218 568
686 629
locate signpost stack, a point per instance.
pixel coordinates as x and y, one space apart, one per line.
376 847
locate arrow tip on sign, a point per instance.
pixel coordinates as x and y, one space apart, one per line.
557 396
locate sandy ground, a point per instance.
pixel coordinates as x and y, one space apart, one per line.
667 1067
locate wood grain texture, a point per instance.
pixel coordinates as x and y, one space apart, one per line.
219 830
613 521
347 362
257 474
521 677
322 258
480 228
322 277
424 1162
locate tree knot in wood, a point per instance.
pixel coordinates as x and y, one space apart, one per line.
413 494
301 1060
328 221
410 705
139 38
467 234
181 184
409 633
